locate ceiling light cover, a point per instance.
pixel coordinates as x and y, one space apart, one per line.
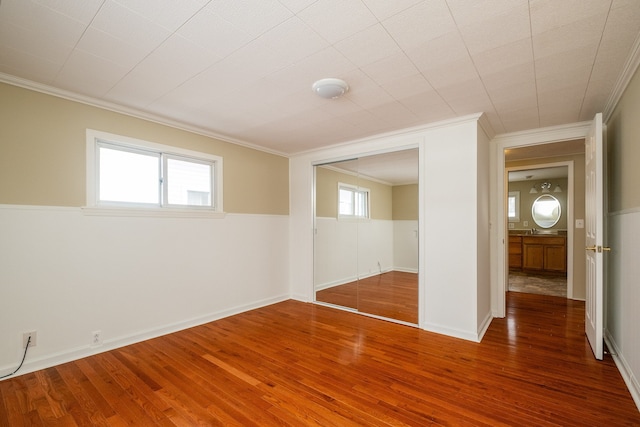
330 88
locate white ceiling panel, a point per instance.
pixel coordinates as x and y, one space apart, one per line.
244 68
497 30
547 15
336 20
466 97
585 33
212 32
441 52
89 75
169 14
79 10
368 46
174 62
470 13
391 68
504 58
104 45
253 17
421 23
407 86
128 26
450 74
296 6
384 9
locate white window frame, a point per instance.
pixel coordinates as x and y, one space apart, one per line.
516 196
94 207
354 189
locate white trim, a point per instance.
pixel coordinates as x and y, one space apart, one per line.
531 137
151 212
392 137
543 135
484 326
132 112
93 137
627 73
456 333
625 370
89 350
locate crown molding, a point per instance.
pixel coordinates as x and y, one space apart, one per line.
628 70
485 125
132 112
402 133
544 135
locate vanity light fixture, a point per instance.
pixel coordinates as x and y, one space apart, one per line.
545 188
330 88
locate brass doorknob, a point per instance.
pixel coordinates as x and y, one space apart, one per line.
591 248
606 249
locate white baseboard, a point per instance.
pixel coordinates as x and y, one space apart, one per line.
85 351
455 333
484 326
625 370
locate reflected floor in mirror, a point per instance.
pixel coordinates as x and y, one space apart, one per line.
538 284
393 295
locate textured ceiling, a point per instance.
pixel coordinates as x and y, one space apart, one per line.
243 69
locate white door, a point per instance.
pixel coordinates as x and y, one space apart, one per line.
594 235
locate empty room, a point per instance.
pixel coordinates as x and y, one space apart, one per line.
319 212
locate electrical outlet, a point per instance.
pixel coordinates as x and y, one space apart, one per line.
25 339
96 338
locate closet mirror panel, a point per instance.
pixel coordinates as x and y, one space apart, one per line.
366 235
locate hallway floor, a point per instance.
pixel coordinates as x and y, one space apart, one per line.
538 284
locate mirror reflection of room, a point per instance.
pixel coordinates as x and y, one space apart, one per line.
366 235
537 206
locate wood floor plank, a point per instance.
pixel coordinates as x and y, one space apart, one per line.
302 364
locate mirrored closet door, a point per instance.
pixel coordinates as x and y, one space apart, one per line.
366 235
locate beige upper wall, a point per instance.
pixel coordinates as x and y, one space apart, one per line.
405 202
623 150
42 154
327 193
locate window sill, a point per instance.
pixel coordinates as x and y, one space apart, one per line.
151 212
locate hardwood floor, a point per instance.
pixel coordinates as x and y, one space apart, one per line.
393 295
303 364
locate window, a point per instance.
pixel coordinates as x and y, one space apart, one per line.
353 202
128 174
513 206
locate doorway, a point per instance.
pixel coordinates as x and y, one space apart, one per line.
538 214
540 251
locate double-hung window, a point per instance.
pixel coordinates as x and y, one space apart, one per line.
128 174
353 202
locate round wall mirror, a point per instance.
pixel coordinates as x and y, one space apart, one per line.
546 211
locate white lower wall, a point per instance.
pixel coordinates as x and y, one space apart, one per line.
345 250
65 275
622 296
405 246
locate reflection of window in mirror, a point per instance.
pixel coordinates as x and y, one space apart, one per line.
546 211
353 202
513 207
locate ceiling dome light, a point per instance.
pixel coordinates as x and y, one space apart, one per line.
330 88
